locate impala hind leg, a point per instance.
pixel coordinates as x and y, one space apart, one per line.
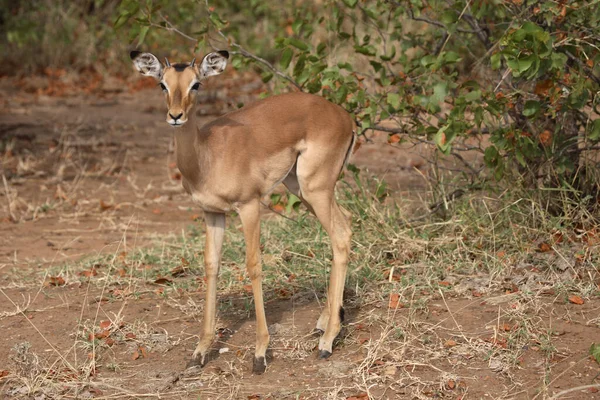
337 225
215 229
292 184
250 216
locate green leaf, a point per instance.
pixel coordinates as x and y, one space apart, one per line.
473 95
299 67
491 156
299 44
293 203
350 3
266 76
559 60
595 351
393 99
439 93
216 20
143 33
442 142
286 58
495 60
366 50
531 108
595 131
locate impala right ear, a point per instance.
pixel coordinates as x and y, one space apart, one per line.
214 63
147 64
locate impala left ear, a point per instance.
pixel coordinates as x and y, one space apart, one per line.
213 63
147 64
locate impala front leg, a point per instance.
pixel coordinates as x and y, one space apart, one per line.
250 216
215 229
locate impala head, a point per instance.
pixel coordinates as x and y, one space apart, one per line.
180 82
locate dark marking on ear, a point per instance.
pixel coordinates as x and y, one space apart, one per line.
224 53
180 66
133 54
342 314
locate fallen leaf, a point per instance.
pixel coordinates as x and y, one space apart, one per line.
109 341
444 283
505 327
195 217
135 355
451 384
545 138
105 206
89 273
144 352
56 281
130 335
576 299
104 324
4 373
178 271
104 334
156 211
395 301
162 280
544 247
450 343
359 396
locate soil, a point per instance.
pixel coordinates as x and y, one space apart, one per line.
92 173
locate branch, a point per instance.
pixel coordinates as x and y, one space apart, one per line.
587 71
247 54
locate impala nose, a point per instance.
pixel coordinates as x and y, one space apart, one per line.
175 117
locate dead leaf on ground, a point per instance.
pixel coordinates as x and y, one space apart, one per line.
56 281
104 324
105 206
395 301
4 373
359 396
163 280
576 299
89 273
450 343
178 271
544 247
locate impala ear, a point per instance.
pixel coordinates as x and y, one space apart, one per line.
213 63
147 64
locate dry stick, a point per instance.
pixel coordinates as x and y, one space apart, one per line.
574 389
38 331
12 216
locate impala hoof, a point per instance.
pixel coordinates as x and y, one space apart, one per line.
318 332
324 354
198 361
259 365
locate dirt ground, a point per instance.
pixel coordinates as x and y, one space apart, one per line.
88 174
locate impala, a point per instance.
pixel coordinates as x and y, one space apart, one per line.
297 139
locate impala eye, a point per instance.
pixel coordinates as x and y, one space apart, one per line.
196 86
163 87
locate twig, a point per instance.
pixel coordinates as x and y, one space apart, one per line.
587 71
574 389
12 216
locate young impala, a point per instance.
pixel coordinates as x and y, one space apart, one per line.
297 139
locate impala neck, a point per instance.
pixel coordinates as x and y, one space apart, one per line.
190 159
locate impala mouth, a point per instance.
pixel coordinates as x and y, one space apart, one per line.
176 124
